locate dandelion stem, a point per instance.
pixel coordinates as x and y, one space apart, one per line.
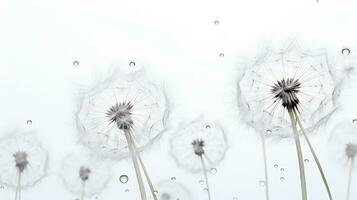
206 178
151 186
83 190
351 160
265 167
314 155
299 154
18 187
136 165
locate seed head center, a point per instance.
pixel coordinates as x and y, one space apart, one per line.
84 173
121 114
198 145
21 161
286 91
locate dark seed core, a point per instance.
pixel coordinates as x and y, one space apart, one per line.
351 150
20 160
84 173
121 114
286 91
198 145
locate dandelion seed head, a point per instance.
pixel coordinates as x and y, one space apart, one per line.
198 145
84 173
351 150
121 114
286 91
21 160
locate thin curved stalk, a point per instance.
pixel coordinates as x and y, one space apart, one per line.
206 178
349 178
151 186
136 166
299 155
83 190
322 174
265 167
18 187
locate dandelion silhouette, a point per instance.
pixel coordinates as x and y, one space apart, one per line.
344 146
84 175
23 162
285 90
197 144
122 115
172 190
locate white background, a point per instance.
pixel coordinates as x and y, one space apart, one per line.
178 44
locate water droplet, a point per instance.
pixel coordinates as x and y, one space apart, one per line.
276 165
173 178
216 22
156 192
132 64
29 122
213 170
2 187
221 55
124 178
201 182
205 189
354 121
208 126
282 178
262 183
345 51
282 169
235 198
306 160
75 63
126 190
268 132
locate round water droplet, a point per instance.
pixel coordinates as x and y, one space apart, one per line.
282 178
235 198
262 183
216 22
173 178
208 126
126 190
306 160
75 63
156 192
132 64
205 189
124 178
354 121
345 51
201 182
268 132
282 169
29 122
213 170
276 165
221 55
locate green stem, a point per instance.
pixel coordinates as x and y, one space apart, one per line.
151 186
322 174
265 167
351 160
206 177
136 166
299 155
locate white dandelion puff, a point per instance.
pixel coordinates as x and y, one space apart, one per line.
23 162
344 147
122 115
199 146
172 190
285 90
84 175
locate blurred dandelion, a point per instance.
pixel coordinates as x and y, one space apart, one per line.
288 89
84 175
23 162
344 145
122 115
197 144
169 190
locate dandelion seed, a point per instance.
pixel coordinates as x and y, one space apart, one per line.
84 175
285 90
23 162
168 190
195 146
343 143
121 116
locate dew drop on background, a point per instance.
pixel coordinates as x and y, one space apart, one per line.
208 126
132 64
124 178
173 178
29 122
306 160
282 169
213 170
235 198
75 63
216 22
262 183
126 190
276 165
282 178
268 132
354 121
345 51
201 182
221 55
